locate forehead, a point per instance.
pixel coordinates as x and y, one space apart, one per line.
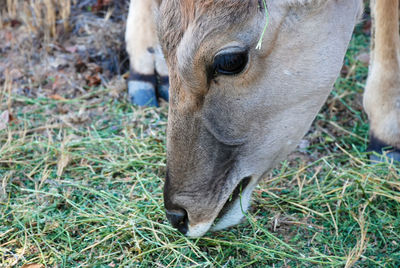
202 17
184 26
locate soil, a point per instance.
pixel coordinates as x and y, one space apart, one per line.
91 53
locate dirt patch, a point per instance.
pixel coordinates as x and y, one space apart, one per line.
66 54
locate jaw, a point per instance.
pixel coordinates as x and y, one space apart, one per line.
198 230
236 209
232 211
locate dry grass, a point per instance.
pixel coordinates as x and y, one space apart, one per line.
41 16
81 175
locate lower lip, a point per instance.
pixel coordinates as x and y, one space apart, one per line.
235 194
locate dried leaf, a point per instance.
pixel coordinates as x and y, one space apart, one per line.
80 66
57 97
93 80
101 4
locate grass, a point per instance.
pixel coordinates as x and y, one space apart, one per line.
85 190
41 16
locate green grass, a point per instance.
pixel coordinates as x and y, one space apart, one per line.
86 191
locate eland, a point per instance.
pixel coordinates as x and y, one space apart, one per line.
246 79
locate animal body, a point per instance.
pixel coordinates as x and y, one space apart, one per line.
237 110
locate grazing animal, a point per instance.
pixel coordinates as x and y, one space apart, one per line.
237 110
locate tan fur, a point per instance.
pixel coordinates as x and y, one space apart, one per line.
225 128
382 93
222 129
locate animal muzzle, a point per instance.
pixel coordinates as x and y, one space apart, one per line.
228 213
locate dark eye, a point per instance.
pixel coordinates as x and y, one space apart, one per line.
230 63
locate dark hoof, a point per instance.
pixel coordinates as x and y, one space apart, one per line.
142 93
386 155
163 88
142 89
381 151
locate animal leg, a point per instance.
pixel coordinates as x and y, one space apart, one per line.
382 94
149 73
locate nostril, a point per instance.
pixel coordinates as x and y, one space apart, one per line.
178 219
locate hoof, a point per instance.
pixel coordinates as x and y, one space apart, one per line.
163 88
382 151
142 93
141 89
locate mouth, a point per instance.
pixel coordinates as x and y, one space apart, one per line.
231 213
233 197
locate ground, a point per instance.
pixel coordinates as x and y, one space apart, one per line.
81 169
